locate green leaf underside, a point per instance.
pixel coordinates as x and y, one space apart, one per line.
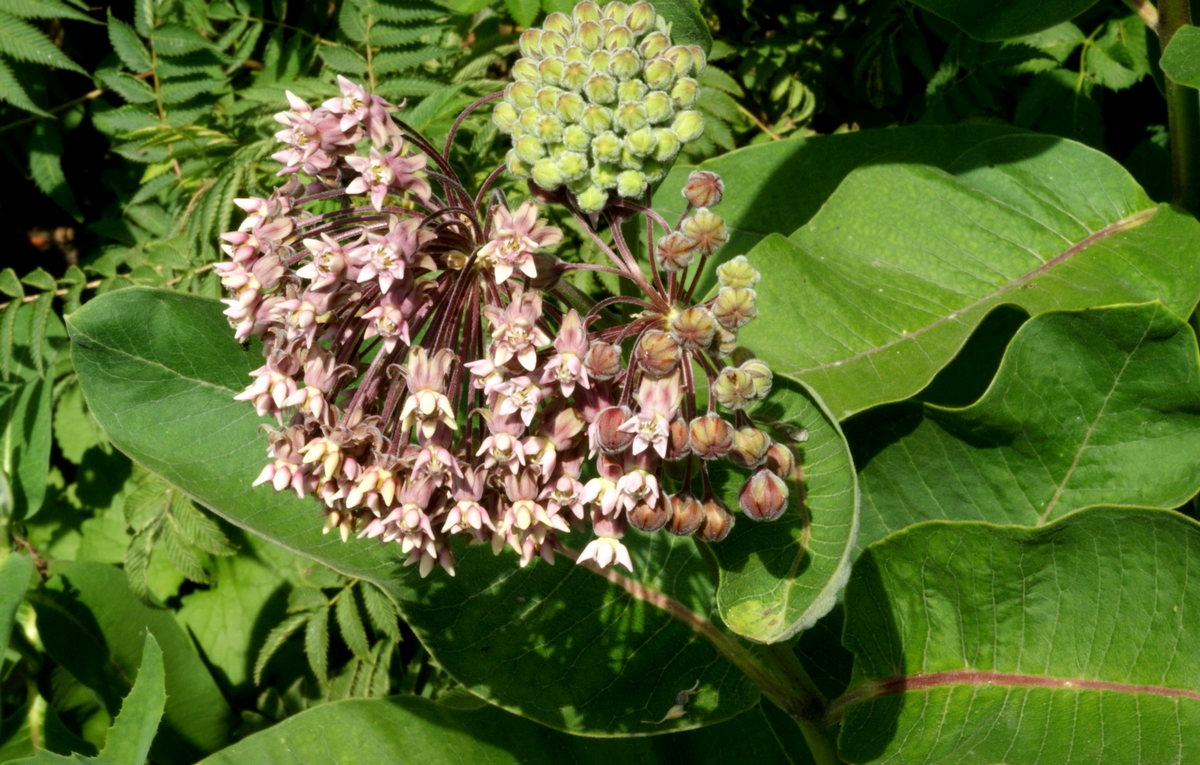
406 729
557 644
1181 59
94 627
884 301
1069 643
779 578
1088 407
688 27
1005 20
762 196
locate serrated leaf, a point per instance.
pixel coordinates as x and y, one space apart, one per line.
351 23
147 501
1007 20
523 11
688 27
398 61
177 40
178 91
197 529
305 599
714 77
387 36
125 119
45 166
37 330
127 87
25 42
137 561
182 556
350 624
380 611
12 91
127 44
143 17
10 285
40 279
275 639
8 322
407 10
343 60
316 643
979 643
45 9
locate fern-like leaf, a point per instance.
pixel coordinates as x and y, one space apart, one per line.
12 91
275 639
45 9
316 643
380 611
350 624
127 44
8 321
198 529
182 556
25 42
42 308
137 561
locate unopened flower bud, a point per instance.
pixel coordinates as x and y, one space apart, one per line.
504 116
601 88
604 175
679 444
694 328
737 272
586 11
546 99
761 374
750 447
572 165
603 361
641 142
718 521
650 518
553 43
615 11
548 129
780 460
668 144
631 90
657 353
624 63
654 44
630 116
599 61
631 184
711 437
707 230
606 147
654 170
658 107
675 251
590 36
699 59
639 17
530 149
591 199
526 70
575 54
726 342
684 94
660 73
559 22
681 58
596 119
687 514
521 95
609 438
704 188
575 138
733 388
629 160
530 43
618 38
573 77
735 307
764 496
528 120
517 166
546 174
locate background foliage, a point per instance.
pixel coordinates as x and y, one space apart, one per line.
127 131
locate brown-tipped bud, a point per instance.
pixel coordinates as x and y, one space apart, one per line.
640 17
726 342
615 11
559 22
654 44
686 514
553 43
704 189
657 353
590 36
531 43
675 251
603 361
650 518
710 436
706 229
750 447
764 496
679 441
718 521
694 328
586 11
609 439
780 460
735 307
737 272
761 374
733 389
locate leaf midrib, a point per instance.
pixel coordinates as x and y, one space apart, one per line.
1136 219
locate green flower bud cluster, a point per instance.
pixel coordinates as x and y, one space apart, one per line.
601 102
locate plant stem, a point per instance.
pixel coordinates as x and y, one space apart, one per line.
1183 113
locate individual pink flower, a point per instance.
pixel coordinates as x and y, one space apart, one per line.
606 548
427 404
635 487
515 237
520 395
515 330
650 426
375 176
565 494
566 367
384 257
358 107
327 264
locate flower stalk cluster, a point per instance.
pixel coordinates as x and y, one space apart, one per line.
429 378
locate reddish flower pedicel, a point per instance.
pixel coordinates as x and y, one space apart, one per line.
430 377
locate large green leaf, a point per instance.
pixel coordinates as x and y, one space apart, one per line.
413 729
14 580
885 284
558 644
779 578
1181 58
93 626
1071 643
1088 407
688 27
1005 19
763 197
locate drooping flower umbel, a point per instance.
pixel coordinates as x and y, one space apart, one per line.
431 376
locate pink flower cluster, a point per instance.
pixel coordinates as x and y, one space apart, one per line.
430 378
